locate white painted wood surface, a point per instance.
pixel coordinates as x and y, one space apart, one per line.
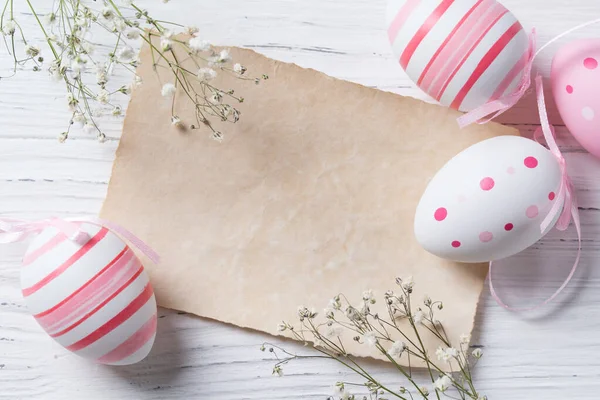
550 355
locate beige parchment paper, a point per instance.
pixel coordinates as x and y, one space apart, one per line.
311 194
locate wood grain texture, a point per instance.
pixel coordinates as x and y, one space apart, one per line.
548 355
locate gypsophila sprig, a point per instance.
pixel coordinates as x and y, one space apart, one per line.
68 53
399 338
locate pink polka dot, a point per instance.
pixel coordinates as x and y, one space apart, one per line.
486 237
440 214
532 212
569 89
487 184
508 227
456 244
590 63
511 171
531 162
552 196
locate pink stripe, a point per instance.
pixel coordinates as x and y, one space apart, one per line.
74 258
491 21
429 23
121 317
453 41
512 75
485 63
101 305
93 294
460 45
398 22
46 247
133 344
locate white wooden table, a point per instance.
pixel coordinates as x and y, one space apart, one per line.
552 354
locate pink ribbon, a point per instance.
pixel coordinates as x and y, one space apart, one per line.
503 104
16 230
565 208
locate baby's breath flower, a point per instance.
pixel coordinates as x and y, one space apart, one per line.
125 53
132 34
166 44
397 349
78 118
50 18
176 122
335 303
370 338
107 13
116 111
304 312
87 47
119 25
281 327
78 65
32 51
191 30
206 74
277 370
424 390
9 27
137 81
239 68
63 136
101 137
465 339
197 44
89 128
367 295
103 96
443 383
168 34
482 397
224 56
168 90
72 102
333 331
55 71
447 354
418 317
477 353
216 98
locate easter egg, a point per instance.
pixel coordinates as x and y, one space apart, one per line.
489 201
94 299
463 53
576 84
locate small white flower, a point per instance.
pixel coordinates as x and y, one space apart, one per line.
477 353
137 81
239 69
166 44
168 90
72 101
424 390
107 13
79 119
216 98
339 391
132 34
418 317
191 30
78 65
408 283
117 111
280 327
88 47
89 128
397 349
32 51
206 74
197 44
335 303
333 331
125 53
50 18
370 338
119 25
443 383
55 71
9 27
103 96
482 397
63 137
224 56
168 34
277 369
465 339
447 354
101 137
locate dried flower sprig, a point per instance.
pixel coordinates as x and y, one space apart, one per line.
397 336
68 29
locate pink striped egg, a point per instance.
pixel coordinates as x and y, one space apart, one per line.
489 201
463 53
95 299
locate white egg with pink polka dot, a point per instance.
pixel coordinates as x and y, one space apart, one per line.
489 201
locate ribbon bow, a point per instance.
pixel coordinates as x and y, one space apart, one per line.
16 230
565 207
503 104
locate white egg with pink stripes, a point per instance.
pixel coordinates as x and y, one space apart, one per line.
93 298
463 53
